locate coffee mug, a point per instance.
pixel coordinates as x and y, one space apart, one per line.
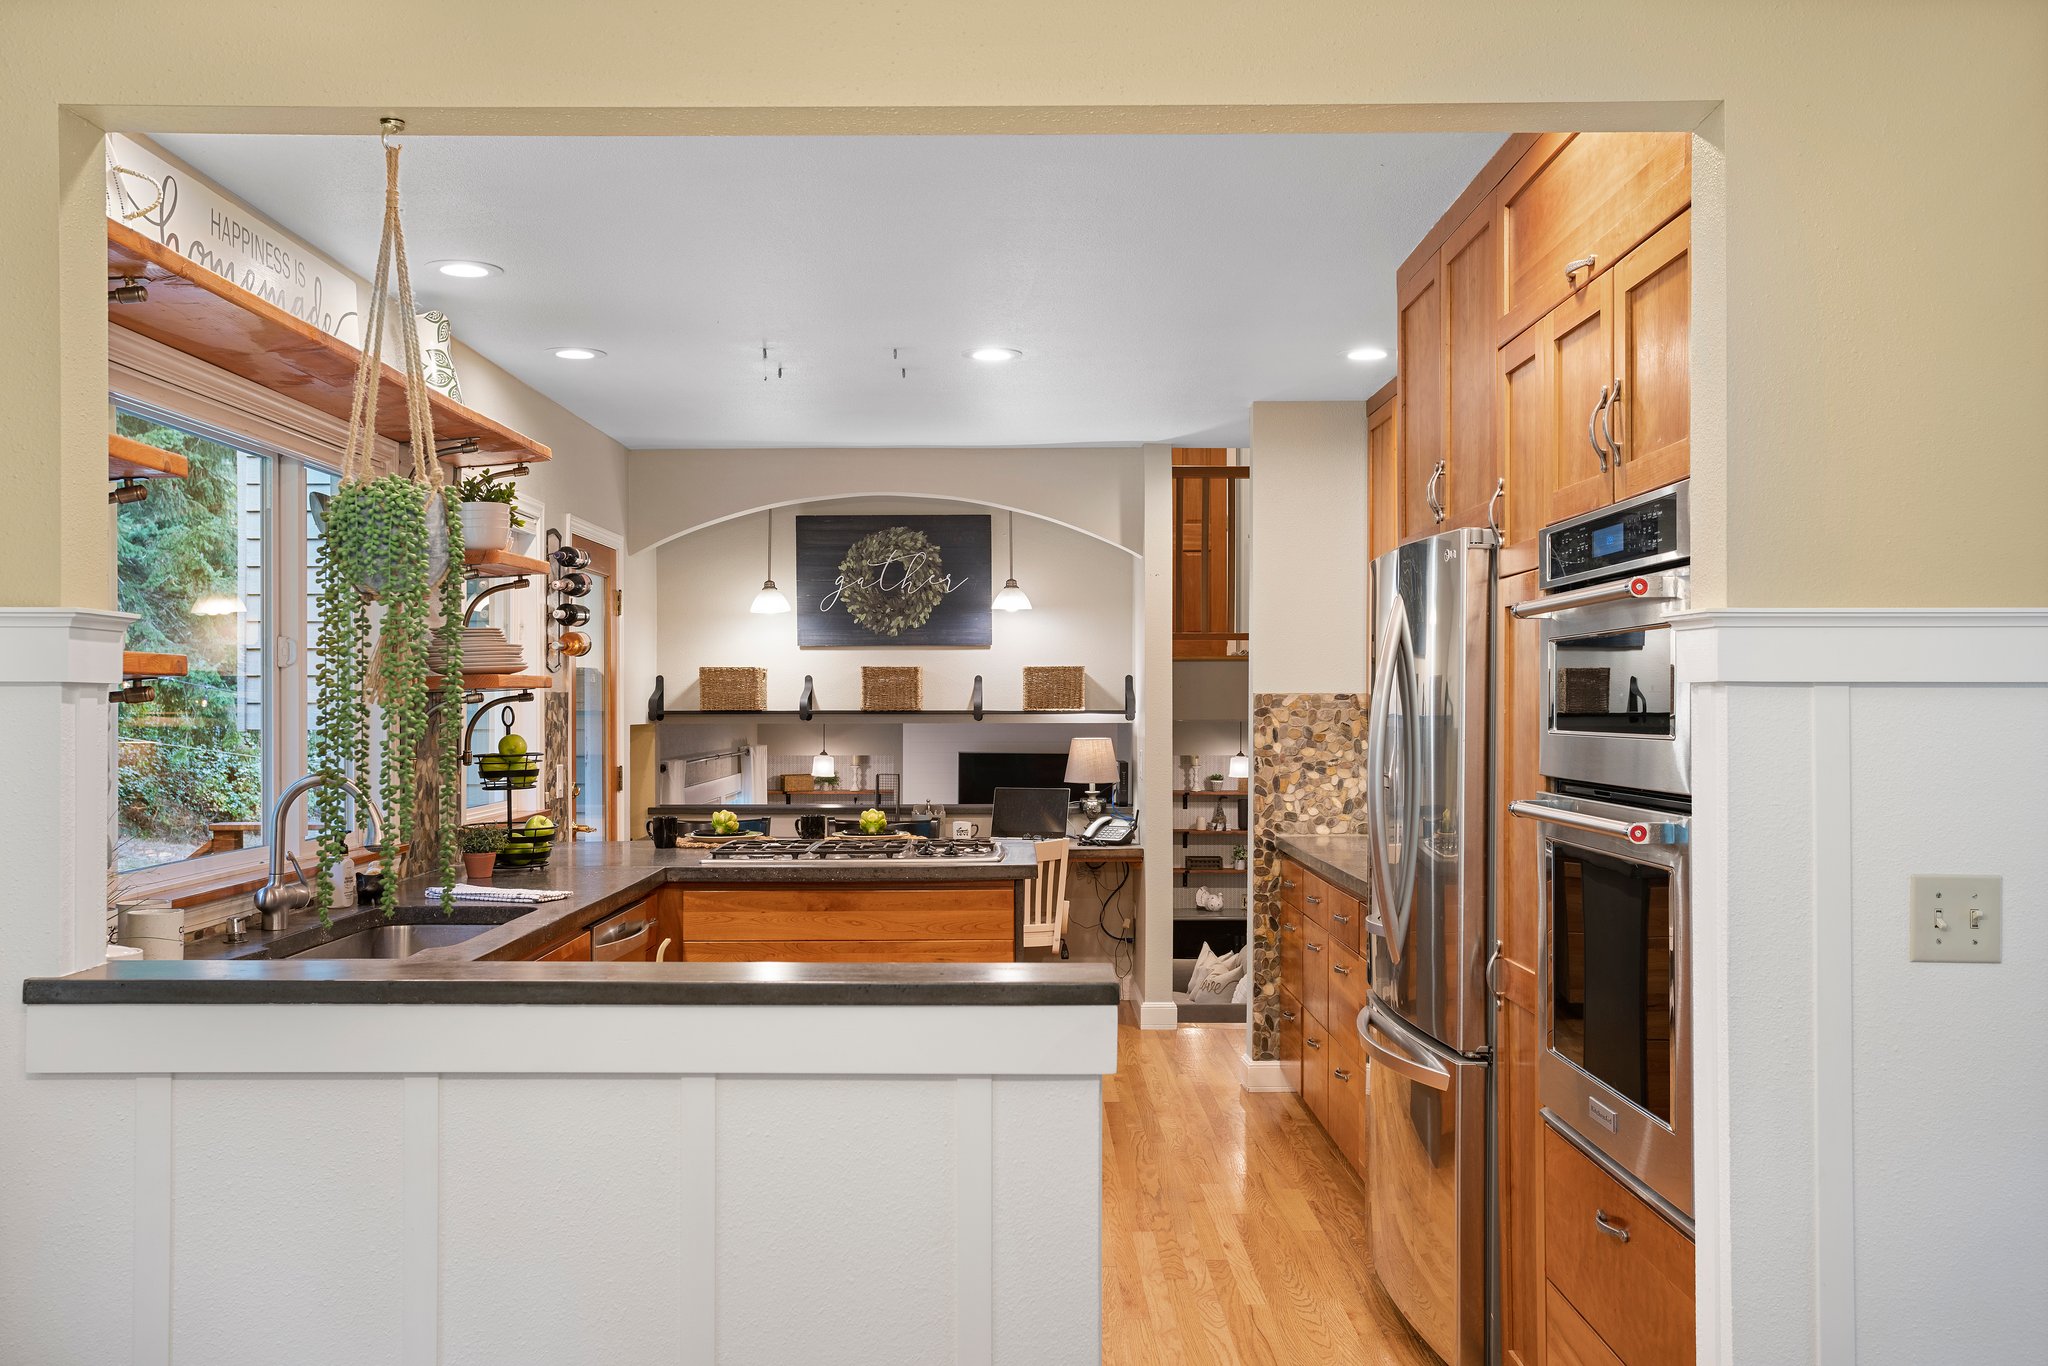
966 830
663 831
810 827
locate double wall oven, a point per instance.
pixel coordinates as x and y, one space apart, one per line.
1615 840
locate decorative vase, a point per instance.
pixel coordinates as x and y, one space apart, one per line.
479 866
486 526
1215 784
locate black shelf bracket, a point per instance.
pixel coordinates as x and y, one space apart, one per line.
975 704
807 704
1130 698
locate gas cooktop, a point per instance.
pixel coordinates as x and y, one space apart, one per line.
843 850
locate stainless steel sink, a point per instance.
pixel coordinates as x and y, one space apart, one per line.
392 941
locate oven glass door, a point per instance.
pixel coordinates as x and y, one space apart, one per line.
1613 682
1613 968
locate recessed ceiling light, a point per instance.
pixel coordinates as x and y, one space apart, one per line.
468 270
1366 353
576 353
995 355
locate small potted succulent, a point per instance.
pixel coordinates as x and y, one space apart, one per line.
1237 856
488 513
480 847
1215 782
827 782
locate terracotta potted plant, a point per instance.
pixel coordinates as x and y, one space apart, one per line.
480 846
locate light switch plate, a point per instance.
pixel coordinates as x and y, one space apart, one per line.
1956 919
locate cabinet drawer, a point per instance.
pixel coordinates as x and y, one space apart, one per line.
1316 1052
1291 953
861 913
1294 880
1575 195
1344 916
1315 898
573 950
846 951
1287 1045
1344 1103
1635 1292
1569 1340
1347 988
1315 969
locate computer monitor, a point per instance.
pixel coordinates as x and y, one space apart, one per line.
1030 812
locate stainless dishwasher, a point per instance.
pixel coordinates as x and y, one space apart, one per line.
623 937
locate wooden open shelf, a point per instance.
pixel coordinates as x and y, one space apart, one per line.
497 682
128 459
210 318
502 564
139 664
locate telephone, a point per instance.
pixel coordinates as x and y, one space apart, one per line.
1110 830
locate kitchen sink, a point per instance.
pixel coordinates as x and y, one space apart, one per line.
392 941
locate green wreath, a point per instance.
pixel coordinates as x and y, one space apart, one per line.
890 611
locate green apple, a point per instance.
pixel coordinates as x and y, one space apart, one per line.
512 745
540 825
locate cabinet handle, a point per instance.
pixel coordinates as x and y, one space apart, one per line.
1614 401
1340 917
1313 900
1340 969
1593 417
1500 488
1313 948
1612 1230
1286 882
1436 504
1318 1043
1572 268
1289 928
1341 1075
1289 1016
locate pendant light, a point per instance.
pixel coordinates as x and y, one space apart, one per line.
769 600
1240 762
824 766
1011 598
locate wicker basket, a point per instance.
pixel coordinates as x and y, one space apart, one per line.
1583 691
799 782
732 689
891 687
1055 687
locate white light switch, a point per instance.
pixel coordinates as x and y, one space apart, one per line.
1956 919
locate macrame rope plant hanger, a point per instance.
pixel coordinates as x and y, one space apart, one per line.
392 540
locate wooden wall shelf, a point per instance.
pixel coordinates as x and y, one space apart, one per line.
129 459
139 664
497 682
210 318
502 564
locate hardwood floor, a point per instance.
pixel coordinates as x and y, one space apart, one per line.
1232 1230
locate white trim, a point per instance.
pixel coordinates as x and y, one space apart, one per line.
420 1240
40 646
1265 1074
615 801
974 1209
1834 1030
573 1040
150 1305
696 1157
1863 645
1158 1014
1712 1153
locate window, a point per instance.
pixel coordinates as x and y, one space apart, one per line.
214 572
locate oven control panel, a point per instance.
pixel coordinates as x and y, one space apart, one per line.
1647 532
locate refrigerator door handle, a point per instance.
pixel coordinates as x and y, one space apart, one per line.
1376 796
1395 915
1386 1047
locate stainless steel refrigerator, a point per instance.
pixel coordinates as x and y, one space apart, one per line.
1429 756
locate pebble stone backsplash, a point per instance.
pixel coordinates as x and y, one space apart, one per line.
1308 778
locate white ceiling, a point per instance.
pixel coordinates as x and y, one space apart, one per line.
1157 285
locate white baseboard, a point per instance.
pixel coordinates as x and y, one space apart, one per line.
1266 1074
1158 1015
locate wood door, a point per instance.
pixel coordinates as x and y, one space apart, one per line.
1315 969
1288 1046
597 771
768 912
1316 1053
1578 369
1421 364
1519 1117
1344 1095
1383 471
1470 286
1523 426
1652 339
1570 1340
1636 1291
1579 195
1291 951
575 949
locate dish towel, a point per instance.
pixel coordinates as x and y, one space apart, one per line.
502 896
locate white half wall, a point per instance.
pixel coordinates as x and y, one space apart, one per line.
1081 598
1872 1152
1308 549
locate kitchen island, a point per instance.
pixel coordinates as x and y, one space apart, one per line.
468 1155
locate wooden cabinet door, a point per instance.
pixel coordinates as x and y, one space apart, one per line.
1469 283
1519 1119
1421 363
1315 969
1383 476
1291 954
572 950
1652 421
1627 1272
1571 1340
1316 1053
1287 1046
1524 426
1578 339
1579 195
1344 1099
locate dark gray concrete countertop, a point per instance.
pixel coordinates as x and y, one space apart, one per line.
1344 861
601 879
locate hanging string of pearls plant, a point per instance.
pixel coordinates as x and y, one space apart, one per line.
390 565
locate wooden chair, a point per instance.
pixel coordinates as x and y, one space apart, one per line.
1045 899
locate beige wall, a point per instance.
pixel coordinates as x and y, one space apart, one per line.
1308 594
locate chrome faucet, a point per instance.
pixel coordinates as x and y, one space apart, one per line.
278 897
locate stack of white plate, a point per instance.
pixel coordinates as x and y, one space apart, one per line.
484 650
